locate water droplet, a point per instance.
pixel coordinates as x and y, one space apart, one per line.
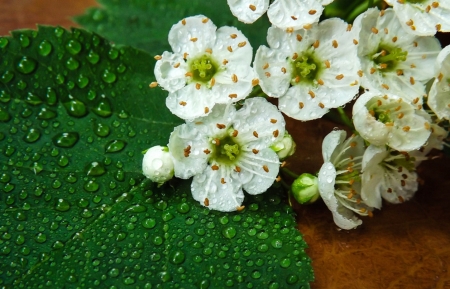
108 76
291 279
62 205
103 108
115 146
149 223
277 243
51 96
72 63
93 57
183 208
137 208
63 161
46 113
101 130
229 232
91 186
7 76
177 257
285 262
59 31
5 96
41 238
32 135
4 115
75 108
82 81
114 272
26 65
45 48
95 169
3 42
73 46
24 40
65 139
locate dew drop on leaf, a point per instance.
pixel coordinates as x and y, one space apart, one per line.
73 47
3 42
75 108
66 139
62 205
115 146
7 76
32 135
103 108
95 169
26 65
45 48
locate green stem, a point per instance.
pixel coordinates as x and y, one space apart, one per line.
257 91
285 185
289 173
370 4
347 121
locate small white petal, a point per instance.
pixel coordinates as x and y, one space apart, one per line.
226 90
330 143
241 9
294 13
241 49
189 102
170 71
265 166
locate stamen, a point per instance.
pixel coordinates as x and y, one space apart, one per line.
255 151
275 133
194 39
235 133
213 81
242 44
222 180
230 49
234 78
233 95
255 134
316 44
207 151
374 30
183 21
206 202
312 94
206 109
299 37
255 82
240 208
224 62
237 169
182 103
327 64
301 105
214 167
293 17
312 12
266 168
272 120
355 42
265 66
339 77
187 151
283 70
158 57
220 126
233 36
335 44
252 7
153 84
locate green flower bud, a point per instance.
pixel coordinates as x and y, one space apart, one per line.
285 147
305 189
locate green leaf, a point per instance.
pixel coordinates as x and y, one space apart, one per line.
145 24
75 210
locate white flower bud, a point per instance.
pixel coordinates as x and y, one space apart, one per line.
305 189
157 164
285 147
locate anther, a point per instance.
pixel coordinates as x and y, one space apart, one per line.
293 17
197 86
212 82
220 125
188 74
316 44
272 120
214 167
233 36
403 183
349 27
399 72
207 151
389 190
266 168
386 31
205 20
297 79
428 9
427 126
362 210
233 95
224 62
206 202
339 77
307 26
222 181
312 94
372 70
278 179
240 208
255 151
312 12
416 100
374 30
394 39
252 7
438 27
176 65
283 70
275 133
440 77
406 128
265 66
194 39
370 214
182 103
411 80
158 57
187 151
290 29
301 105
321 105
382 12
385 86
415 43
360 73
206 109
435 4
230 49
183 21
299 37
234 78
295 56
320 81
237 169
354 83
153 84
327 64
267 74
208 50
335 44
235 133
400 115
355 42
185 55
255 134
401 200
409 22
216 141
255 82
242 44
383 65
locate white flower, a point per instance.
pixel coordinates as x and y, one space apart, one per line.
392 60
310 70
383 120
207 66
339 178
424 17
228 151
439 95
387 174
157 164
292 14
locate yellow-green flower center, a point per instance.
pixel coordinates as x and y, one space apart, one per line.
305 68
388 57
203 68
227 151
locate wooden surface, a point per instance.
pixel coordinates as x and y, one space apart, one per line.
402 246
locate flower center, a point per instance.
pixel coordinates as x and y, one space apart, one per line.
305 68
388 57
203 69
226 150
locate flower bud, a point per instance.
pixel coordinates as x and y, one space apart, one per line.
305 189
285 147
157 164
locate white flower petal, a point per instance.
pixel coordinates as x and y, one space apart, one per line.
298 103
439 95
216 190
192 35
372 177
233 46
330 143
170 71
189 102
233 84
186 138
259 124
294 13
402 189
273 70
248 11
265 167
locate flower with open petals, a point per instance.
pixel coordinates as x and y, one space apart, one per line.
394 61
207 66
423 17
228 151
439 95
389 120
339 179
310 70
285 14
387 174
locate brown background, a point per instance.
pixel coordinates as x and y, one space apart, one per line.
402 246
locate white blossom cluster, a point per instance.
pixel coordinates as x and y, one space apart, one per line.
383 61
